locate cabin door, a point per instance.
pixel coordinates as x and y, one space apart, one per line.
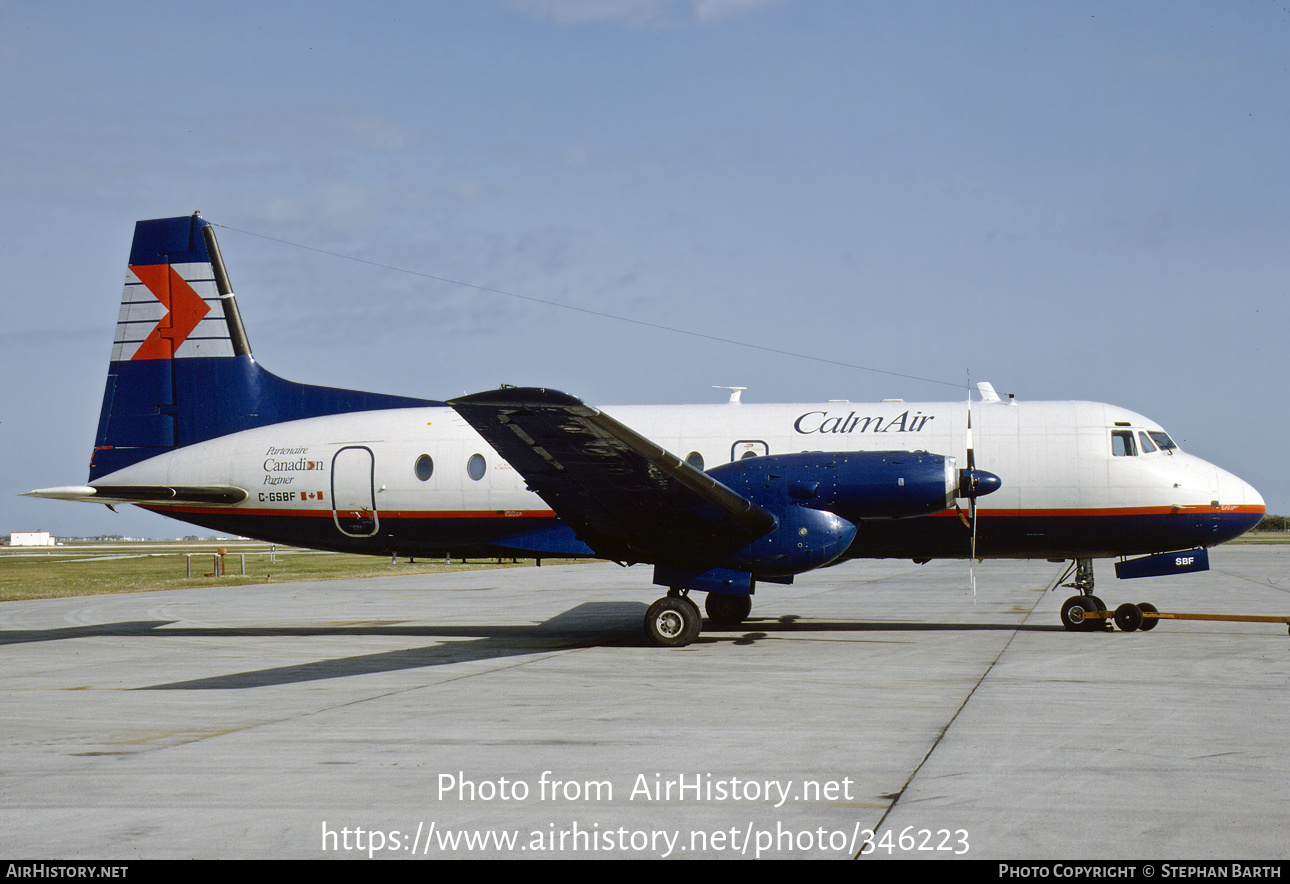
353 492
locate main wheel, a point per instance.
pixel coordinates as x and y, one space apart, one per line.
1073 610
672 622
1128 617
1148 622
727 610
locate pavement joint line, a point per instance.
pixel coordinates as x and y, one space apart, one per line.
895 799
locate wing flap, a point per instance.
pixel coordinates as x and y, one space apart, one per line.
626 497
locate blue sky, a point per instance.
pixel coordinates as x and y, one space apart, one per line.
1070 200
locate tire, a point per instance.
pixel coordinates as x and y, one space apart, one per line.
727 610
1148 623
672 622
1128 617
1073 607
1104 623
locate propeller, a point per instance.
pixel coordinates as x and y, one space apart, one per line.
973 482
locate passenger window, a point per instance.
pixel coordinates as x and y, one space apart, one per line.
424 467
1147 447
475 467
1122 443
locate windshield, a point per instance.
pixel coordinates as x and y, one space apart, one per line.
1162 440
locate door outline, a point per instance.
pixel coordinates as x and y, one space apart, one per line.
360 521
748 448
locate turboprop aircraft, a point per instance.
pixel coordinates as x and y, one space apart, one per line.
717 498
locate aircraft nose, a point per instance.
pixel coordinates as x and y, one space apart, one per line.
1232 490
1240 506
1251 497
1254 505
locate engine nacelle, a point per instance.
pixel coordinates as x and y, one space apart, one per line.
817 497
804 539
852 484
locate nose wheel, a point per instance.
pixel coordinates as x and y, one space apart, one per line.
1074 609
1128 616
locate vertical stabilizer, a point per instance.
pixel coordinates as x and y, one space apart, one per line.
182 370
170 308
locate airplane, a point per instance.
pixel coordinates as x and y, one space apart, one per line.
717 498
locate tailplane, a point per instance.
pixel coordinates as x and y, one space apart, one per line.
182 370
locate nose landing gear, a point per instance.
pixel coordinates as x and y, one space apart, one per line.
1087 613
1075 607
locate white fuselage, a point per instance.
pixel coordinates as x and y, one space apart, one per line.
1057 462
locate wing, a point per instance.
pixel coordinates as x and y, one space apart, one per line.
627 498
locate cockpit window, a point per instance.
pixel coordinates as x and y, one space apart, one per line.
1122 443
1163 441
1147 446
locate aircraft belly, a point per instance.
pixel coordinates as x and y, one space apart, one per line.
1049 534
422 534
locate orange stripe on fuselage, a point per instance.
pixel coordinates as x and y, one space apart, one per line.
385 514
1107 511
543 514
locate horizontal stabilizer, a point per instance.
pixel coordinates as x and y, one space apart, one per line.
207 495
627 498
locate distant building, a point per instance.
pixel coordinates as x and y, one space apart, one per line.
31 538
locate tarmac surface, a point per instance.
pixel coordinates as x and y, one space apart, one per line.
446 715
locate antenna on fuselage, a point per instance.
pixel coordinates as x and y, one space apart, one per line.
735 393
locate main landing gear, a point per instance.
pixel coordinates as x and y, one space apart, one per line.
727 610
1128 616
674 621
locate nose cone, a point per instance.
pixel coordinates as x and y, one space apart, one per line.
1252 498
1240 506
975 483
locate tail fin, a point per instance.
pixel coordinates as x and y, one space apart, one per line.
182 370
